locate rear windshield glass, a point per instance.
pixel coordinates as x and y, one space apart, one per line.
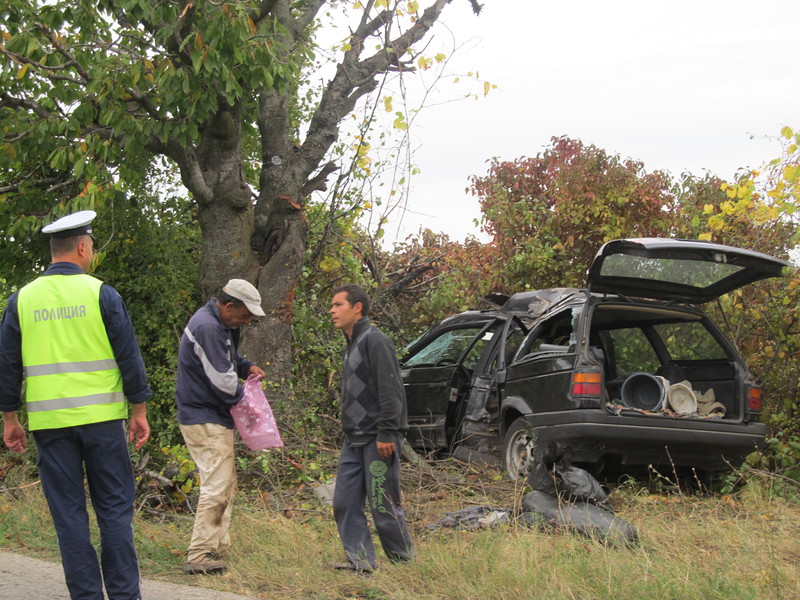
696 273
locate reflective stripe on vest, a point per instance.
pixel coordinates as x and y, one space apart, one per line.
71 376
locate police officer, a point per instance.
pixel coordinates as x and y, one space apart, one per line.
69 336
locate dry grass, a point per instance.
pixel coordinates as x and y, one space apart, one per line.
729 547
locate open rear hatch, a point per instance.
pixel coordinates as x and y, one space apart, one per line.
690 271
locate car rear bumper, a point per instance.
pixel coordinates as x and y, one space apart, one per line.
596 436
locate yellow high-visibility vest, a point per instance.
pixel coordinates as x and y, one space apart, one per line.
71 376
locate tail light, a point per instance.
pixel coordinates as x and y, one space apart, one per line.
587 383
754 398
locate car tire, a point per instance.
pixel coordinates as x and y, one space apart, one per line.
518 449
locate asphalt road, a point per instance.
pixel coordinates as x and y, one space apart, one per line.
24 578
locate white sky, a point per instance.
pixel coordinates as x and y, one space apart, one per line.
682 85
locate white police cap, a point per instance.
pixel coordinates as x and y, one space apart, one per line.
78 223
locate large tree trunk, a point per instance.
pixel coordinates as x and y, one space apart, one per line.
225 202
225 247
270 340
266 244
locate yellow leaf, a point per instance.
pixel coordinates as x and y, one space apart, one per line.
387 103
358 6
21 72
787 132
364 163
486 87
704 236
198 41
251 25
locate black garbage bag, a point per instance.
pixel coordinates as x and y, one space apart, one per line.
541 476
578 484
554 474
545 511
541 479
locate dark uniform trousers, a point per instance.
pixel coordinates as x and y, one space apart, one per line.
103 449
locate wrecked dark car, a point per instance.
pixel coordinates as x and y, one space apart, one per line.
625 373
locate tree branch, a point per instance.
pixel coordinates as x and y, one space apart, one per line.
303 22
356 78
17 103
262 10
318 183
50 184
63 52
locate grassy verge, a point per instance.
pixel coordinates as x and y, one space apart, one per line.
745 546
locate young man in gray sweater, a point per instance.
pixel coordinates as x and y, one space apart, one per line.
374 422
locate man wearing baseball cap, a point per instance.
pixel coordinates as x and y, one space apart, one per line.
68 336
208 384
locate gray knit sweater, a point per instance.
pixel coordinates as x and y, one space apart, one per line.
373 399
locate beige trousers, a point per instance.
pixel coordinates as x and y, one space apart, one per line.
211 447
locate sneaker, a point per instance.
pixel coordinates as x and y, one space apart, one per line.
207 564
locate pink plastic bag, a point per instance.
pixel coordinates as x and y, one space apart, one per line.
253 417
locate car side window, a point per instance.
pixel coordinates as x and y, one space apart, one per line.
514 338
633 351
689 341
553 335
513 342
479 347
447 348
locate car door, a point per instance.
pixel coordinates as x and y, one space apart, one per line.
489 375
436 373
539 380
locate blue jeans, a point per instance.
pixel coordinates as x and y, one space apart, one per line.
103 450
363 476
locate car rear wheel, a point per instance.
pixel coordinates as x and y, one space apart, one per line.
518 447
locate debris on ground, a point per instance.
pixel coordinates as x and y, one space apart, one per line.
564 497
473 518
570 497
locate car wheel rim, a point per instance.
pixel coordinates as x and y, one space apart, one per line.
520 455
